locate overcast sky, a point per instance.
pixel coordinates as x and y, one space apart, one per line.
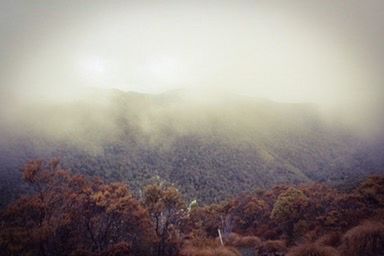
324 51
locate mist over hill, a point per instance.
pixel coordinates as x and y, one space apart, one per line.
209 147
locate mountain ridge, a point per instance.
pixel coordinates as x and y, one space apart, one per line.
210 151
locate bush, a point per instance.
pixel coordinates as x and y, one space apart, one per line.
366 239
272 247
330 239
312 250
236 240
218 251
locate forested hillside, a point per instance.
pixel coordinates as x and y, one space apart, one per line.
209 149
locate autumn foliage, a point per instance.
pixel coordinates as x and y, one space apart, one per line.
68 214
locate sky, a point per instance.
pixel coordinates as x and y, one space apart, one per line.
326 52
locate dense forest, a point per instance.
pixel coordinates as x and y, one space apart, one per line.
210 150
70 214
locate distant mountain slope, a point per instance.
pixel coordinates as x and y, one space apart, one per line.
210 147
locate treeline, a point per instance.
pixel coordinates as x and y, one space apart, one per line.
69 214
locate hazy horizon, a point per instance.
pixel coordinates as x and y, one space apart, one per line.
291 52
327 53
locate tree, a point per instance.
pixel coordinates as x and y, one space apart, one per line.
208 219
68 213
372 190
289 208
167 210
248 213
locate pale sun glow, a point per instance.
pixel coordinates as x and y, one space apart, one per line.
164 68
273 51
93 68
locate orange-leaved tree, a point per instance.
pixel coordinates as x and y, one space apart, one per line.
68 213
167 210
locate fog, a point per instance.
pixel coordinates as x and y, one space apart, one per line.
327 53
